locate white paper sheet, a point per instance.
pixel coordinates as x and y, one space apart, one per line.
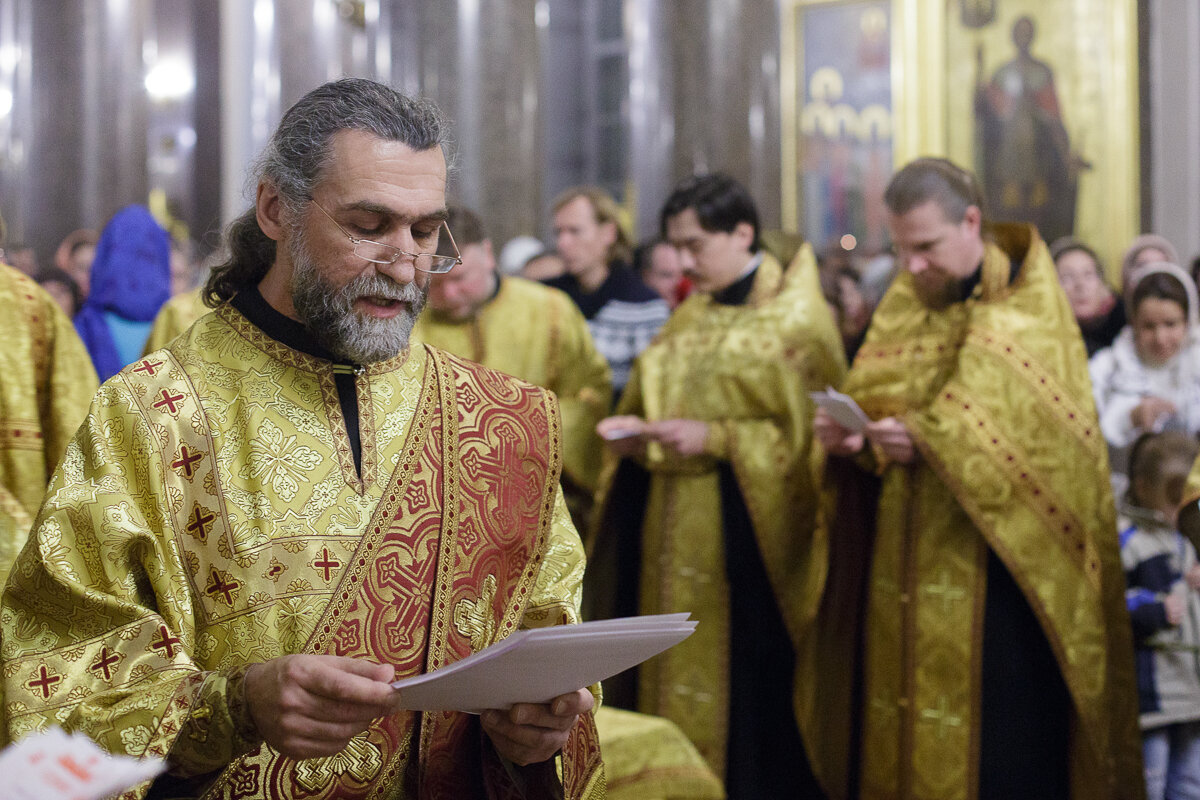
842 408
68 767
535 666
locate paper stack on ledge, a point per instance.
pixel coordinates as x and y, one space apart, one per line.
535 666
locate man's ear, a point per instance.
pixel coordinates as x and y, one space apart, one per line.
973 219
610 233
268 209
743 232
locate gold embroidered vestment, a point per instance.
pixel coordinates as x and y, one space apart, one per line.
746 371
46 383
536 333
996 396
210 514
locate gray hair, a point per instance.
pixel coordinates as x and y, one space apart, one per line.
295 159
937 180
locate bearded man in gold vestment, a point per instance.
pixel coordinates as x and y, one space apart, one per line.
708 504
46 383
988 653
529 331
261 526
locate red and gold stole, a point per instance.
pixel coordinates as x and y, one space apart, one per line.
445 568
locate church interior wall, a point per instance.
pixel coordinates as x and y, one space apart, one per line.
543 94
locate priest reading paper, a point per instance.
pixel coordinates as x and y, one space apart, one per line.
260 527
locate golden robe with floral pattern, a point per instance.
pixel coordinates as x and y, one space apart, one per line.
210 514
46 383
995 393
536 333
746 370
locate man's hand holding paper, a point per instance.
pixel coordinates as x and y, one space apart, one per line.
529 733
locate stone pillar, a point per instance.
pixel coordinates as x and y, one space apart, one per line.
726 104
1173 62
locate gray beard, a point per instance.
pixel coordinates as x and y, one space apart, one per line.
329 314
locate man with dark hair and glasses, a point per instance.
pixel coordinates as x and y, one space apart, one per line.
261 526
708 502
974 622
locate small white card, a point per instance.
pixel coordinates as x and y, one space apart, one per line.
69 767
621 433
842 408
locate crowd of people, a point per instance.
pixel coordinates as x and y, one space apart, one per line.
373 442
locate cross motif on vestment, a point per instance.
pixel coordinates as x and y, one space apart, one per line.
218 586
946 590
186 461
326 563
942 716
149 367
200 522
168 401
165 642
45 682
105 662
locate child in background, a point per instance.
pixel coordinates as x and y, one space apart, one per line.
1163 576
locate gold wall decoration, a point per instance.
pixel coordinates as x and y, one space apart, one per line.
1052 131
838 122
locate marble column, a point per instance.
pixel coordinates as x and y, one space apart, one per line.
1172 189
726 98
75 136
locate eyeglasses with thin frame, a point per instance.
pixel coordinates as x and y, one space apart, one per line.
380 253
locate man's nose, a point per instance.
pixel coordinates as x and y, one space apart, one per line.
402 270
915 264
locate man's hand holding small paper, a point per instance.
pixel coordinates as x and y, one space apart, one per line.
624 435
529 733
680 437
837 439
890 436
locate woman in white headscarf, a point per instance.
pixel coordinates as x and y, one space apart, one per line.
1149 380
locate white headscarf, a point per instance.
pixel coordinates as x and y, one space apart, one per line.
1189 287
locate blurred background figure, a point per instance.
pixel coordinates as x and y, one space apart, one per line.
46 385
63 288
544 266
22 257
1098 310
1164 606
1149 379
657 264
622 313
1149 248
74 256
130 281
516 253
185 307
840 283
183 269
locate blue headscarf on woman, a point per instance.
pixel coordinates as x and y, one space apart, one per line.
130 280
